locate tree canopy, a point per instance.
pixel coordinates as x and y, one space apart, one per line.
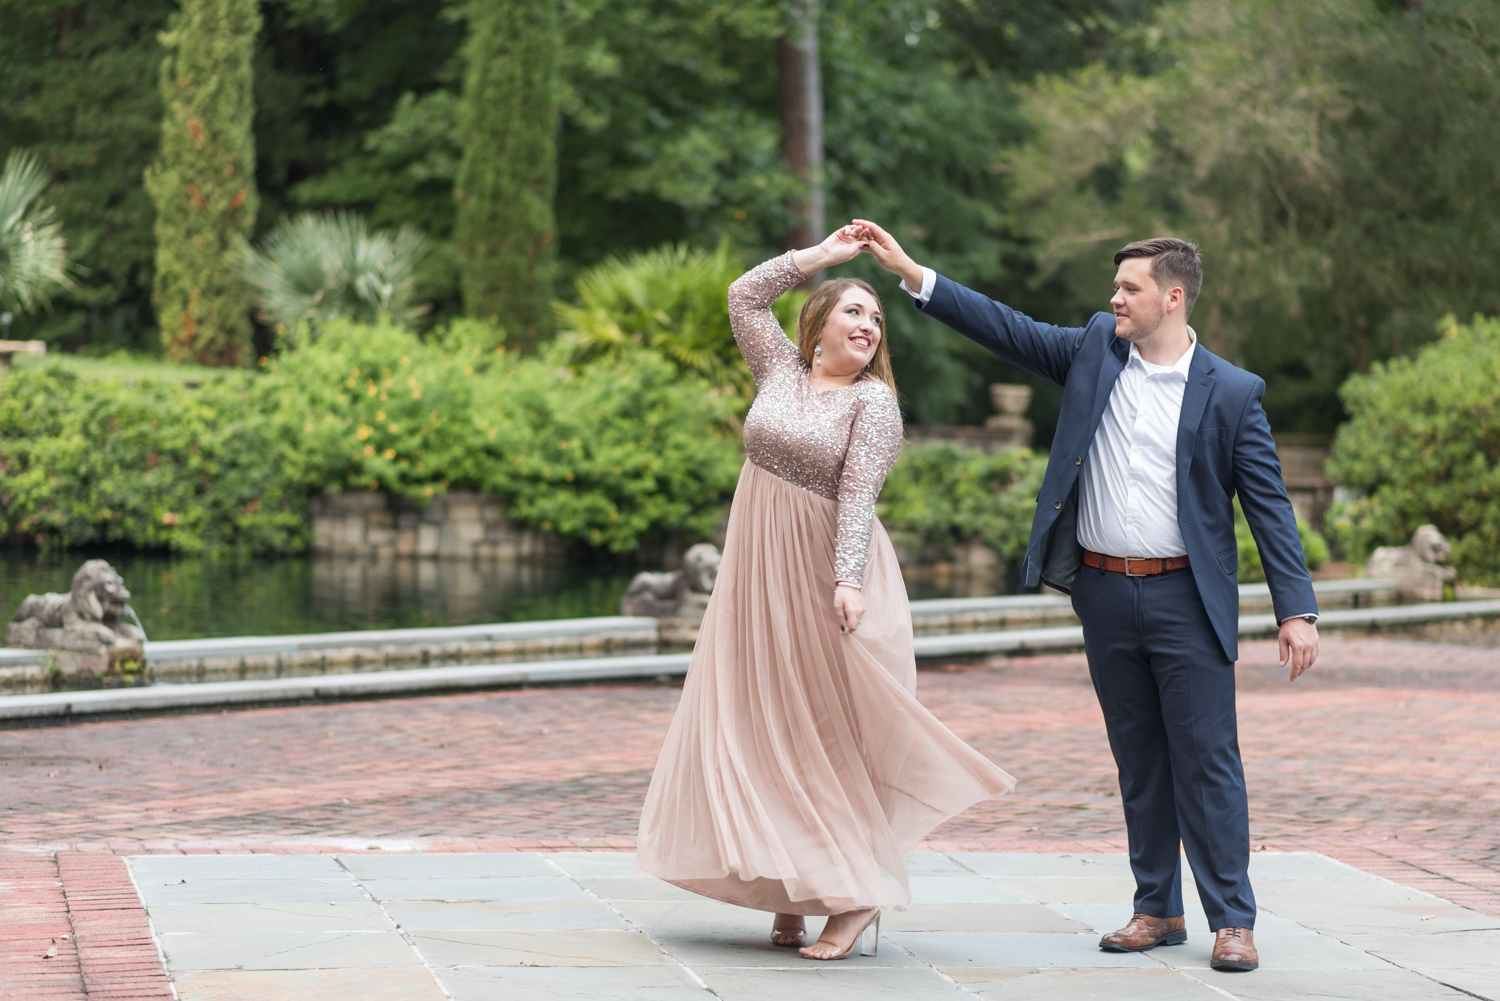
1333 157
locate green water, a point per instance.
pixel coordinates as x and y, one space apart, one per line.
192 597
180 597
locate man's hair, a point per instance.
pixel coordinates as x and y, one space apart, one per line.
1173 262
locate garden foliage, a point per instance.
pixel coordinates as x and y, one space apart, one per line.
317 266
606 455
33 252
938 497
78 85
1422 445
507 180
673 300
154 466
1335 160
203 181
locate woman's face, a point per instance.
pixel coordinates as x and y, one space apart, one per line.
851 334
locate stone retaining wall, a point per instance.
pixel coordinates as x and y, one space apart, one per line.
459 525
40 676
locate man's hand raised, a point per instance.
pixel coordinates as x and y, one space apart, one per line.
888 253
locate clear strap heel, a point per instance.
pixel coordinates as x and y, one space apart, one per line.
869 937
867 940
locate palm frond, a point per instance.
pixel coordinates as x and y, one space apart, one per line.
316 266
671 299
33 251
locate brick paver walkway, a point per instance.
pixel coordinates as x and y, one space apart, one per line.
1387 757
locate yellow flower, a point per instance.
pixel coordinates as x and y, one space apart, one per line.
369 451
364 431
390 453
380 415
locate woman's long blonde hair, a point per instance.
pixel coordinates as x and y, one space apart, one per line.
814 317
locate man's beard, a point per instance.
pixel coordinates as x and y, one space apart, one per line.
1142 327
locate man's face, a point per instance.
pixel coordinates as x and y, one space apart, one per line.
1140 307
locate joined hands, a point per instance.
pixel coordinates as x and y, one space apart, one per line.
860 237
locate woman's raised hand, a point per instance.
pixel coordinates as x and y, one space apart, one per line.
888 253
843 244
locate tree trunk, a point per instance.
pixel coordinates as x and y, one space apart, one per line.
801 88
203 181
507 180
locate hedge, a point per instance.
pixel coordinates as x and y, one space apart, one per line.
1422 445
605 455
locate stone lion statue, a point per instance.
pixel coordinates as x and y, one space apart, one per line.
679 593
1417 566
90 616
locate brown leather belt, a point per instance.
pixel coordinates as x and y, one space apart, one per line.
1132 566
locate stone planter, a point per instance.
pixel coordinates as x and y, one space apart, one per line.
1010 425
1010 400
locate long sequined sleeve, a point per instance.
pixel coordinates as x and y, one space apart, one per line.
756 330
874 445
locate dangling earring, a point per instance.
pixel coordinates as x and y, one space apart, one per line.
818 352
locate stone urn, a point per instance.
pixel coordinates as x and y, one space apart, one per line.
1010 423
1010 400
93 638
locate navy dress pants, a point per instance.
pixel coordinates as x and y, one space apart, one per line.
1167 692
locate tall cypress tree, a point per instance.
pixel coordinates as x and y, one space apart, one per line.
508 177
203 180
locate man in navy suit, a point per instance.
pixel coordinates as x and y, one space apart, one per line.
1136 520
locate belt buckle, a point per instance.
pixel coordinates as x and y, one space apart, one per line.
1137 559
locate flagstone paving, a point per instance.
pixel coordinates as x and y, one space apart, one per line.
1385 757
568 925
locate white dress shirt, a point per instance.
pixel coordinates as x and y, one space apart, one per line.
1128 484
1127 489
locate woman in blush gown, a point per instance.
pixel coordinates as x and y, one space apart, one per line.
800 764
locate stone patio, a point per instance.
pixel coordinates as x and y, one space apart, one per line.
576 925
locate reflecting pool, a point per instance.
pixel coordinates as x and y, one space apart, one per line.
188 597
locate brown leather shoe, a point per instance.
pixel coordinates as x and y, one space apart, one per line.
1234 950
1146 932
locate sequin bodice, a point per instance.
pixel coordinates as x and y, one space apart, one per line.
837 444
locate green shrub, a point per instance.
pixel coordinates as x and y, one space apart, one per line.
375 407
1423 446
618 451
604 456
941 496
154 465
315 266
1252 571
672 300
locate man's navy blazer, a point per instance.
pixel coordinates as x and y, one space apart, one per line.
1224 447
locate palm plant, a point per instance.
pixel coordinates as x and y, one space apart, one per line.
670 300
316 266
33 252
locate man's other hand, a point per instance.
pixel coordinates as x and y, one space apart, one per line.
888 254
1299 645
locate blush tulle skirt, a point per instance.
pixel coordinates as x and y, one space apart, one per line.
800 764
